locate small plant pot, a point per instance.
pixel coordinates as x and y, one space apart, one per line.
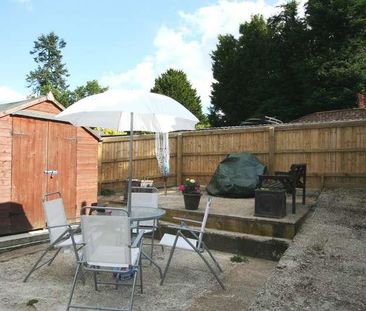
191 200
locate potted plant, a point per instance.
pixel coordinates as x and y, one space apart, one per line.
191 191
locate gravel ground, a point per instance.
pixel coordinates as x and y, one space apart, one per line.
325 267
188 285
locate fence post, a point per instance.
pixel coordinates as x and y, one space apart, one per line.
271 149
179 158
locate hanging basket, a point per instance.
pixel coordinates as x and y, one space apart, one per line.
191 200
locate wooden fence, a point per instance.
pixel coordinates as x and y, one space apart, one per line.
334 152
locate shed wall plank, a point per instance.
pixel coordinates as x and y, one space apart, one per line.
46 106
5 158
87 169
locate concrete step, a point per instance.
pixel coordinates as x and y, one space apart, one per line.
14 241
285 228
227 241
265 247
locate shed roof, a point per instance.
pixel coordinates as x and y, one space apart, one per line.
333 115
10 108
17 108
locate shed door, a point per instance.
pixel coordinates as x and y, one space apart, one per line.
62 158
40 145
28 163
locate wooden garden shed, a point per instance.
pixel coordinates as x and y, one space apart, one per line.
32 144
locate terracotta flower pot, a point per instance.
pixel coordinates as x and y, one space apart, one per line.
191 200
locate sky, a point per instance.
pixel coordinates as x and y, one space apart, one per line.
124 44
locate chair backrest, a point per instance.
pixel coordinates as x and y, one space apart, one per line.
299 173
55 216
204 221
107 240
144 199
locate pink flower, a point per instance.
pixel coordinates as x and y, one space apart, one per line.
190 185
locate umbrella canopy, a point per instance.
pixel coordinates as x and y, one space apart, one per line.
128 110
112 109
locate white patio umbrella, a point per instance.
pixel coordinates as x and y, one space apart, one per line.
129 110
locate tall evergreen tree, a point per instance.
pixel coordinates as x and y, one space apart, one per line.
241 69
174 83
224 89
290 73
337 55
289 66
51 73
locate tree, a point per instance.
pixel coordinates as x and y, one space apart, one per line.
51 73
90 88
224 89
289 82
175 84
242 70
289 66
337 30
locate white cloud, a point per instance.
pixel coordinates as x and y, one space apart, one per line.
140 77
25 3
8 95
188 46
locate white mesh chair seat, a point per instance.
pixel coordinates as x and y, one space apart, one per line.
109 256
196 244
60 232
169 239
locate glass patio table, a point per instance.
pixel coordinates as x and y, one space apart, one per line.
145 213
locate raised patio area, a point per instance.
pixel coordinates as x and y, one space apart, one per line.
232 226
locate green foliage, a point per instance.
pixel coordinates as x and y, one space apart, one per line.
289 66
237 258
90 88
338 32
51 73
175 84
105 191
32 302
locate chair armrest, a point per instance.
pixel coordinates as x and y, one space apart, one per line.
101 208
184 228
188 220
138 239
59 226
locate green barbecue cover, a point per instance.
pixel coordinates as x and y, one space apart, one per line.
236 176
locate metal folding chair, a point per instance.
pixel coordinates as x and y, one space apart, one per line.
108 249
147 199
60 232
196 244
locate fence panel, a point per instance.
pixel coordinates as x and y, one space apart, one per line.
335 153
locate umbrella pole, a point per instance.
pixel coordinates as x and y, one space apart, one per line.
165 182
130 166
